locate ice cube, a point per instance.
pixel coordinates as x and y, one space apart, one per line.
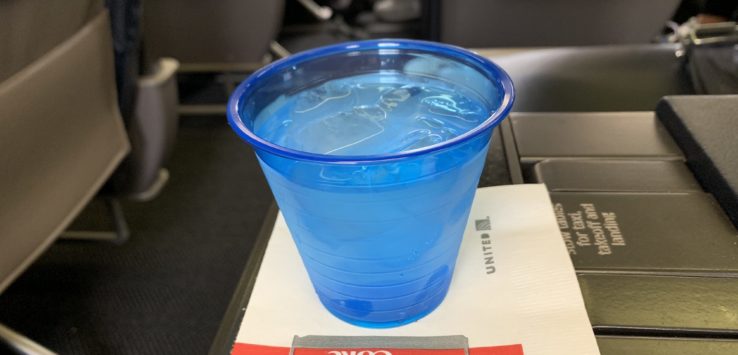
431 122
419 138
391 98
373 112
452 106
312 99
340 133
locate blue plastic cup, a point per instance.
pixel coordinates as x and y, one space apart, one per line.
378 234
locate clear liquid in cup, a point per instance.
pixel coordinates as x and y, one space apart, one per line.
371 114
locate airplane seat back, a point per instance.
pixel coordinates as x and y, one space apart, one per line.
61 134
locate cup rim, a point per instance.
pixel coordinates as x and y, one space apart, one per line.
454 52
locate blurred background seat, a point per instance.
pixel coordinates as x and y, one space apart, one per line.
311 23
503 23
594 78
614 50
225 35
226 39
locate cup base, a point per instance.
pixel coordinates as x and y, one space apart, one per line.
390 324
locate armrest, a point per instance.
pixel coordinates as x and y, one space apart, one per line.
152 131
